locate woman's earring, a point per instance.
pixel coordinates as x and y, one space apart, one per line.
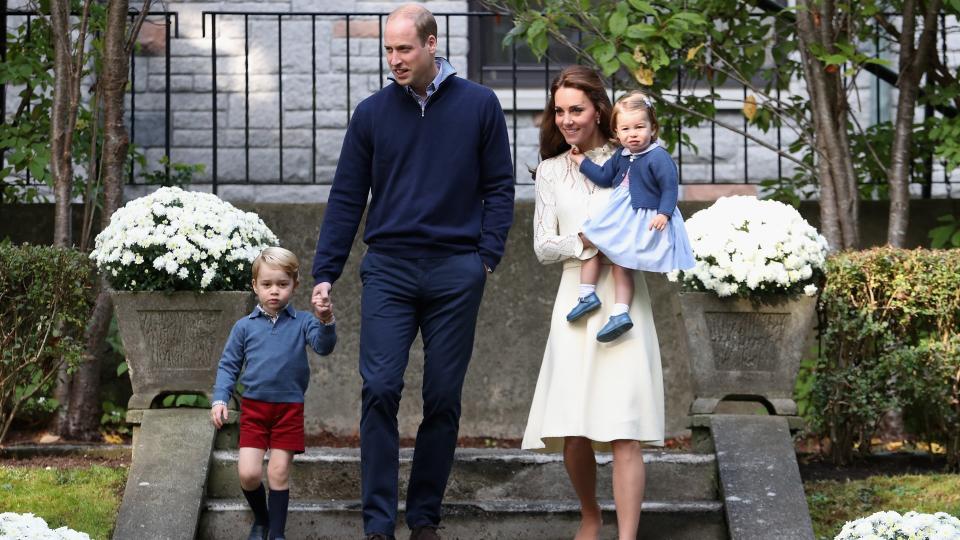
598 120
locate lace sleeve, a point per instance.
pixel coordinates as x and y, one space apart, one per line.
548 244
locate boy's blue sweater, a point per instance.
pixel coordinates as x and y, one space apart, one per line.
272 355
440 180
653 178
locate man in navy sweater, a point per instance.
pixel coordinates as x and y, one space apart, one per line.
432 153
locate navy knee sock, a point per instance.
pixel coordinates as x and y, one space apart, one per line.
257 499
278 512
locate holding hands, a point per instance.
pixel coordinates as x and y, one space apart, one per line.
322 305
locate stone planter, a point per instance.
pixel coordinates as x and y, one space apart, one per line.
173 341
744 350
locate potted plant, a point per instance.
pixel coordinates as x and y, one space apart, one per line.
749 303
178 263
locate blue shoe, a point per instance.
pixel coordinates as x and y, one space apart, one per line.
258 532
585 305
615 327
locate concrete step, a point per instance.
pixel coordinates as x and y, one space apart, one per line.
481 475
228 519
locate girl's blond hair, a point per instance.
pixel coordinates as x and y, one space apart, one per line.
633 101
278 257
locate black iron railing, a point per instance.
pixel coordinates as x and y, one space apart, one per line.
212 28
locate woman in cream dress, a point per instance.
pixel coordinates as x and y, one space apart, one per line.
590 396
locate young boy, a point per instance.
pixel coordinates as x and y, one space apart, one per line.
269 346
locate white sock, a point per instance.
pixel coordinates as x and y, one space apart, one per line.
586 289
619 309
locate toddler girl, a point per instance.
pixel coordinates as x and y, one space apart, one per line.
641 228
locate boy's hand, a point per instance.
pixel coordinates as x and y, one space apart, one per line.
323 310
322 305
659 222
218 413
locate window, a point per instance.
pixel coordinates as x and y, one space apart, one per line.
492 65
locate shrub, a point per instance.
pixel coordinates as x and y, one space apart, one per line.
890 339
46 295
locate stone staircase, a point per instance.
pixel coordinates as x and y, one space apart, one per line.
492 494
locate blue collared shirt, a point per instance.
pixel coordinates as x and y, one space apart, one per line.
270 357
444 70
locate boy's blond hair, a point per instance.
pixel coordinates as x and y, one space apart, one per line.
633 101
278 257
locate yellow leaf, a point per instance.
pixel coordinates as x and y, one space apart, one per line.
750 107
693 52
112 439
639 56
644 76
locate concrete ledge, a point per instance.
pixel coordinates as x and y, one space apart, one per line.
230 519
481 475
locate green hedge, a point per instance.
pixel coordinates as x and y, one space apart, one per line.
46 295
891 339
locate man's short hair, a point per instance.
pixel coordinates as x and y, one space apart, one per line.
422 18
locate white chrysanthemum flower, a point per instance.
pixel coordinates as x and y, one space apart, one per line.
761 245
16 526
175 231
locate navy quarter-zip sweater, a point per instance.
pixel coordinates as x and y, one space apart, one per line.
440 179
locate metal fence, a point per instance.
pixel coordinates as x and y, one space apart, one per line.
219 60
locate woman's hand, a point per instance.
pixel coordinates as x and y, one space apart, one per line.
587 244
659 222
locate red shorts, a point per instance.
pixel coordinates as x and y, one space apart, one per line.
271 425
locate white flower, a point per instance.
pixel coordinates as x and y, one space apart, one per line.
745 244
184 235
893 526
16 526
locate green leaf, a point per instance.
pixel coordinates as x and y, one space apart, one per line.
618 23
646 8
640 31
605 52
122 368
610 66
169 400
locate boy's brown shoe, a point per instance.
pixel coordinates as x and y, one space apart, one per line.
427 532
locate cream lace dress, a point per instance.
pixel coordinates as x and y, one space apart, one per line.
601 391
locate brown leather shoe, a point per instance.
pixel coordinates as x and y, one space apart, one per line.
426 532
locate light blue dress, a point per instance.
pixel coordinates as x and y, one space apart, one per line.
624 235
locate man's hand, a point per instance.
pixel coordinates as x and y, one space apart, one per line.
322 305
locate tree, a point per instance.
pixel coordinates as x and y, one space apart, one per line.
83 417
77 41
661 45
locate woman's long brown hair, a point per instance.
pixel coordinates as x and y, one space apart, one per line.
589 82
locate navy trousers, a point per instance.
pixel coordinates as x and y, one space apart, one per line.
440 297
